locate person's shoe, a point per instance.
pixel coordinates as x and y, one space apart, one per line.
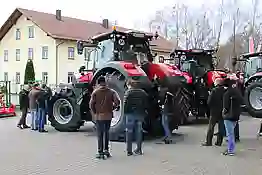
226 153
129 153
43 131
168 141
26 127
138 152
100 156
107 154
218 144
20 126
206 144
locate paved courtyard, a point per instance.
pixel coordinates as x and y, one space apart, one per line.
24 152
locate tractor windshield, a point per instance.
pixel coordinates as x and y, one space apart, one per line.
253 65
134 50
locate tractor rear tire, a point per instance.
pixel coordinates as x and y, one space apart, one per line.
253 99
63 104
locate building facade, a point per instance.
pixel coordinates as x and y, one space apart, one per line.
28 35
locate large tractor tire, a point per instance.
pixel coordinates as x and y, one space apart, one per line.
64 114
253 99
117 129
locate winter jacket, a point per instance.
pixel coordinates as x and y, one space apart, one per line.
135 102
33 95
215 102
102 103
42 99
169 104
232 101
23 99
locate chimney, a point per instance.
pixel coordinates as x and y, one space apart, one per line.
105 23
58 15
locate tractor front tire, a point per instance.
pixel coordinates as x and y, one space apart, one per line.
64 114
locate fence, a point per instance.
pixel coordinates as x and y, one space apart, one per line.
12 89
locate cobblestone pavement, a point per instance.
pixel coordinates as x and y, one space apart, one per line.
24 152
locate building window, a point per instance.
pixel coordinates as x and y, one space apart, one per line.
161 59
17 34
17 78
71 53
44 52
31 32
30 53
70 77
6 76
17 54
5 55
45 77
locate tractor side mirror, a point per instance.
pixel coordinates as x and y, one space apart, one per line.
82 44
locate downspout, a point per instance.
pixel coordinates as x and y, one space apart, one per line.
56 61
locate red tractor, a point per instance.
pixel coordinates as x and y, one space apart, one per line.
117 56
198 64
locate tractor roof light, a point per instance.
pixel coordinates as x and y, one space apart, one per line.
114 28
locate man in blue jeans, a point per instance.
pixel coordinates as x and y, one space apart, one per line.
232 101
166 113
135 106
41 101
33 95
102 103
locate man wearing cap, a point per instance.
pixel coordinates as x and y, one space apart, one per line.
215 103
24 105
33 95
102 103
135 107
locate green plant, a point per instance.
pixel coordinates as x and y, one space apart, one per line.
29 72
2 89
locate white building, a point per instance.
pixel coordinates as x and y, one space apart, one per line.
50 41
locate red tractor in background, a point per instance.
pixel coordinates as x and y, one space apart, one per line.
118 56
200 65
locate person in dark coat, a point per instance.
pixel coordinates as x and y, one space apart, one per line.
168 110
24 105
215 102
41 102
232 102
135 111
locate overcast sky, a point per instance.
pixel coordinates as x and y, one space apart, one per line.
126 12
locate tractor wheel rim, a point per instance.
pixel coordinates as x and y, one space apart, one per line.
63 111
255 98
116 113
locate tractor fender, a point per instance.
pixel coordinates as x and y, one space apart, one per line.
256 76
125 68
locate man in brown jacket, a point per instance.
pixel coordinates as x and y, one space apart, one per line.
102 103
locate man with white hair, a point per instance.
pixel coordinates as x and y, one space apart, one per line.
215 103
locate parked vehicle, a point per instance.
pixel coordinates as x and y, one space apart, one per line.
118 56
253 83
200 65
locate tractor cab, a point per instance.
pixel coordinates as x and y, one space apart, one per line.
196 62
128 46
252 64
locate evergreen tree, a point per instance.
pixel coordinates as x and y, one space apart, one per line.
29 72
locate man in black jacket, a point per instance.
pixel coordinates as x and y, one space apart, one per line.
215 102
24 105
232 101
41 102
135 106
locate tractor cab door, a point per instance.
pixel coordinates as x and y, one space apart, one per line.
103 54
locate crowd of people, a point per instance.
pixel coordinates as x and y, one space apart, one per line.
35 99
224 102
